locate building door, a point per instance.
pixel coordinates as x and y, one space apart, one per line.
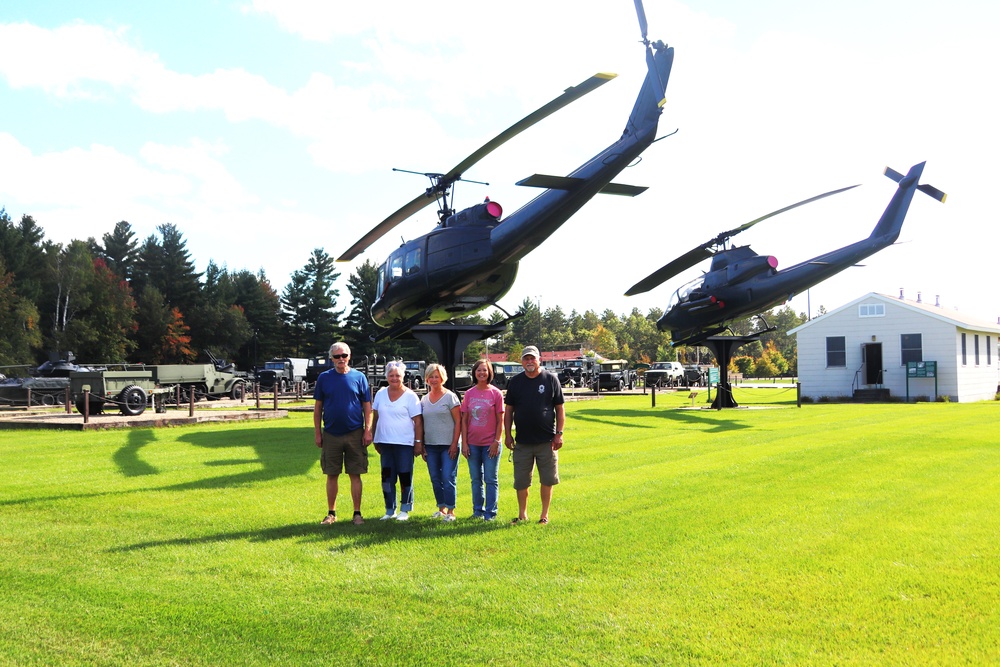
871 355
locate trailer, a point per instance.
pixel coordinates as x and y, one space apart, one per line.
131 389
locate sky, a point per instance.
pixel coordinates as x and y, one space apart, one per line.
264 129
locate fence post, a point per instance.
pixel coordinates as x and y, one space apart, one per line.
86 406
798 394
653 393
191 402
69 409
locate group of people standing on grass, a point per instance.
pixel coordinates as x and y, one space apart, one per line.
438 427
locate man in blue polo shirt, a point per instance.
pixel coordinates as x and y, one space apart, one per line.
342 417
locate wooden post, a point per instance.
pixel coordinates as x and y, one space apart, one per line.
69 408
256 393
276 396
652 392
798 394
191 401
86 406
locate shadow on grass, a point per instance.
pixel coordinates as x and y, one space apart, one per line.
620 418
280 452
372 533
127 458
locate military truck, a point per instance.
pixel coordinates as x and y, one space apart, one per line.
616 376
130 388
414 375
204 380
281 373
315 367
579 372
664 374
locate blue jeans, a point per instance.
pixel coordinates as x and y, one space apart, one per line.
397 463
444 472
483 470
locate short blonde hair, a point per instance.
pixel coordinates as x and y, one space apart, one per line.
436 367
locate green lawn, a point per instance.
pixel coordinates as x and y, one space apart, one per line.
830 534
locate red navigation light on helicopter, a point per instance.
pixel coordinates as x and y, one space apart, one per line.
772 261
494 209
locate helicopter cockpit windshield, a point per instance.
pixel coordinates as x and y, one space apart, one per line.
686 292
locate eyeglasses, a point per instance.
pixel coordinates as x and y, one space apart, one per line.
339 356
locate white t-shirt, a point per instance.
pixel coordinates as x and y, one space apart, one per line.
395 418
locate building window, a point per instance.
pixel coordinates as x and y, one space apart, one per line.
965 359
911 348
871 310
975 348
836 351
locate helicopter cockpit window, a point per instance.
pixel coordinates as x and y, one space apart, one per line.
381 280
396 267
684 293
414 259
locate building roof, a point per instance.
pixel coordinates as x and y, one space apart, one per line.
547 356
952 317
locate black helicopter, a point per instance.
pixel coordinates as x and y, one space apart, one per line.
470 260
740 282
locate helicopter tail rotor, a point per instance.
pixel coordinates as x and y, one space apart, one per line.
650 60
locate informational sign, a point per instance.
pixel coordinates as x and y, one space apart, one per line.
713 375
921 369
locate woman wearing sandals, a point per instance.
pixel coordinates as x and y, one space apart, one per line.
482 426
398 430
442 426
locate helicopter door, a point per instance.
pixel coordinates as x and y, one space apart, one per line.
871 354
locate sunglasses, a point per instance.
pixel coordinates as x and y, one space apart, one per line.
339 356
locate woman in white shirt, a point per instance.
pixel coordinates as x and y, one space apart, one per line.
398 430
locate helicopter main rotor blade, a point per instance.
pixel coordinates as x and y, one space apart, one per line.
386 225
441 183
742 228
682 263
571 94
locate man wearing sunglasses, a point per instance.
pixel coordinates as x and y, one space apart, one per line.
342 417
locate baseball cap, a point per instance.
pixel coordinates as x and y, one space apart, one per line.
532 350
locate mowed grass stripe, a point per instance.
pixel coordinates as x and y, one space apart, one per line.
828 534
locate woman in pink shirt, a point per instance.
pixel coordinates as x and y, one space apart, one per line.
482 426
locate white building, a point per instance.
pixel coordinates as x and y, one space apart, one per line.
861 350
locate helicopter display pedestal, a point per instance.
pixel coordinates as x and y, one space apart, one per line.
450 340
722 347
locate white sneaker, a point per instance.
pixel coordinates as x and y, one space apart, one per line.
386 517
448 517
437 515
403 516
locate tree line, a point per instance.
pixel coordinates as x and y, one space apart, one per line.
119 299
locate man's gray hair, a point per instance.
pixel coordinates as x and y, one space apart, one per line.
342 345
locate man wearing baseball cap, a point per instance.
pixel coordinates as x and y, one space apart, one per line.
534 422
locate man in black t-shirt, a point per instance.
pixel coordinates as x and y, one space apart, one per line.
535 412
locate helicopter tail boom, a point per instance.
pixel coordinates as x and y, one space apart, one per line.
892 219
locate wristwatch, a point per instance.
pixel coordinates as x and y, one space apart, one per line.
558 432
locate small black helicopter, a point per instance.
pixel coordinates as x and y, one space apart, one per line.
470 260
740 282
